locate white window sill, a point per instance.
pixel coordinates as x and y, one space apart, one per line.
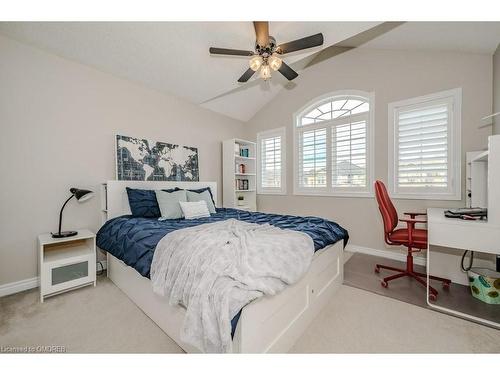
267 192
351 194
435 197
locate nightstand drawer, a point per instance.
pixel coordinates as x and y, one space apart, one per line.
67 274
66 263
74 271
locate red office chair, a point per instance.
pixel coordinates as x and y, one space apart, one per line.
412 238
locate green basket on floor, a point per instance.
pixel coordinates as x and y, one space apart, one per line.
485 285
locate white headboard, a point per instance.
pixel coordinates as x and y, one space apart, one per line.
117 199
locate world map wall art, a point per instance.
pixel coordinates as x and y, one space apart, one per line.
147 160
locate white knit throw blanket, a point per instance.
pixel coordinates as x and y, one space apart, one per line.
215 269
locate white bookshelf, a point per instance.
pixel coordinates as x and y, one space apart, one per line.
231 160
483 179
476 179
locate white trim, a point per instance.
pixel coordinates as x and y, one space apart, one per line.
19 286
278 132
455 192
389 254
368 191
340 194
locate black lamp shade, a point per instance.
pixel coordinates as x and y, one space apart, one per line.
81 195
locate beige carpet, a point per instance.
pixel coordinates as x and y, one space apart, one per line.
104 320
86 320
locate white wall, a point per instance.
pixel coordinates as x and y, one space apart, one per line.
57 125
496 90
392 75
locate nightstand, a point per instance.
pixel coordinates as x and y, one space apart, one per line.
66 263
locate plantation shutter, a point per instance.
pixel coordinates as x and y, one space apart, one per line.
270 162
349 154
422 137
312 158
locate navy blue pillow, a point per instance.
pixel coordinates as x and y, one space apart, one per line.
143 203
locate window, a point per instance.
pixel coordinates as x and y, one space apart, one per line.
333 146
424 141
271 162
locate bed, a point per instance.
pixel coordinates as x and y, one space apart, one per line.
268 324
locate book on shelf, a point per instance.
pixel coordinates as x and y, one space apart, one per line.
241 184
245 152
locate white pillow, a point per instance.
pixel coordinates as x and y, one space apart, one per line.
195 210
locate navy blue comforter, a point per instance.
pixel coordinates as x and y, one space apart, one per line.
133 239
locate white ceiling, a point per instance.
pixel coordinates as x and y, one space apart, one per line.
474 37
173 57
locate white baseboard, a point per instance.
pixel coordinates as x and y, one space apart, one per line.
18 286
389 254
22 285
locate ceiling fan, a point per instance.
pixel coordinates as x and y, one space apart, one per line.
266 56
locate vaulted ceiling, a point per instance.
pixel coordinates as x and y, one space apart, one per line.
173 57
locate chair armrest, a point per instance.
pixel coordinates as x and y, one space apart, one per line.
413 221
410 227
413 214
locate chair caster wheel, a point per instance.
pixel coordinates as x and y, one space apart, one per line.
446 286
384 283
377 270
433 297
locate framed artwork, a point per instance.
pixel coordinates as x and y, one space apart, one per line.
147 160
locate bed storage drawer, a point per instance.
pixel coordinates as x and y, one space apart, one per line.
274 323
326 272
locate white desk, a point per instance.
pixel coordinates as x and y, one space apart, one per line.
461 235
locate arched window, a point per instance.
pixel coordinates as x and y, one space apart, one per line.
333 145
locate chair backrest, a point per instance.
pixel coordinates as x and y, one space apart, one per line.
389 213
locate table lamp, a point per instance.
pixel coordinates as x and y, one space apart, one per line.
81 195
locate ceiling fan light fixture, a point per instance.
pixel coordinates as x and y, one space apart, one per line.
267 54
265 72
255 63
274 62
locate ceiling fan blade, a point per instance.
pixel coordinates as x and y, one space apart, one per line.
246 76
303 43
353 42
288 72
231 52
261 32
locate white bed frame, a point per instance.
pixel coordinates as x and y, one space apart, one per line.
268 324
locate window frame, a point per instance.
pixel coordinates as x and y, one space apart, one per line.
281 132
329 190
454 192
